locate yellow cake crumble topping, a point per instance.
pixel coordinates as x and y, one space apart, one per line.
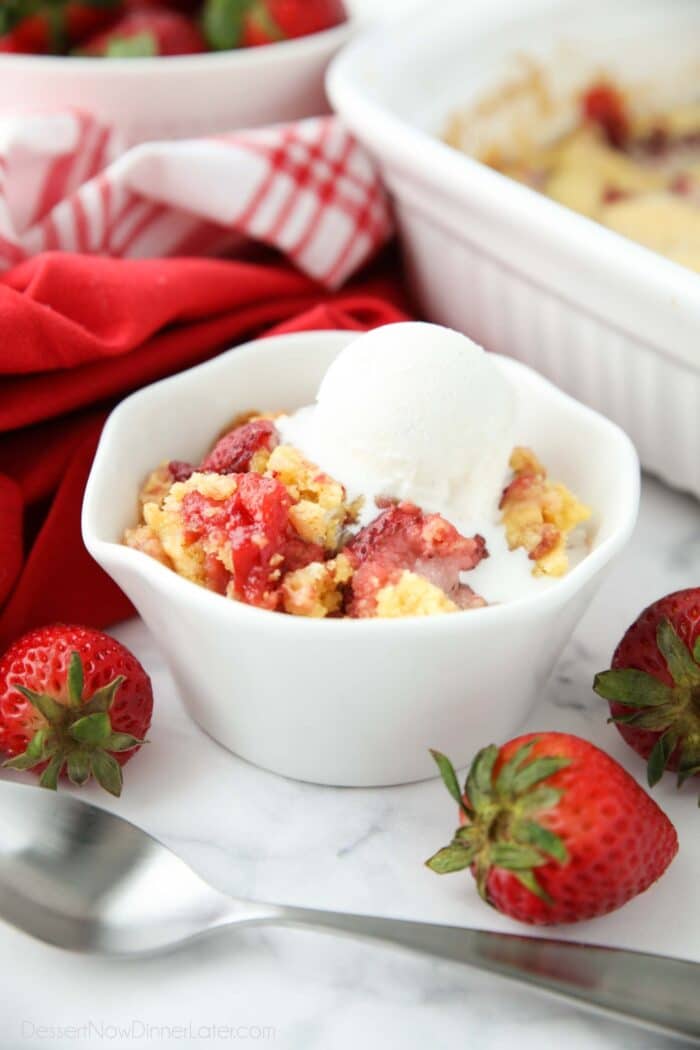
156 486
317 589
539 514
166 522
412 595
320 511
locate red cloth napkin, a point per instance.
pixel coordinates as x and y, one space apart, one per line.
76 335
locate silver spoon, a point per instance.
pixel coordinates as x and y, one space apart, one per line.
80 878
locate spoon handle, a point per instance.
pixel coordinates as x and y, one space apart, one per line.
646 990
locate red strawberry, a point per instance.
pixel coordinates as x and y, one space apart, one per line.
554 830
170 5
145 33
38 27
72 699
654 685
234 452
404 537
249 23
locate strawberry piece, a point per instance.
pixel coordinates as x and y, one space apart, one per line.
270 20
404 537
554 830
613 194
234 452
188 6
654 685
180 470
146 33
682 184
52 28
251 23
604 105
251 535
72 700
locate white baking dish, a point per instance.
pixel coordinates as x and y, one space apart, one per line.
606 319
348 702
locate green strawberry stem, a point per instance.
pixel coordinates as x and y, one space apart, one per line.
671 711
222 22
76 735
501 831
261 16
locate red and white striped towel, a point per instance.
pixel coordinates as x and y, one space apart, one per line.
308 189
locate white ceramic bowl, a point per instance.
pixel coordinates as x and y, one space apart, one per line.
183 96
347 702
604 318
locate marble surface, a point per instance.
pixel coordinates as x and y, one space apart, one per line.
255 834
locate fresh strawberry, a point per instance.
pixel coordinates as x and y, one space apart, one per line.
188 6
72 699
249 23
654 685
145 33
554 830
404 537
42 27
235 451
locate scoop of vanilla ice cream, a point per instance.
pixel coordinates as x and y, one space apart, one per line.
416 412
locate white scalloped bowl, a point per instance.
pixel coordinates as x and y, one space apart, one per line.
184 96
347 702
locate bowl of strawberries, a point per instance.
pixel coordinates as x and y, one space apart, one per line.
157 69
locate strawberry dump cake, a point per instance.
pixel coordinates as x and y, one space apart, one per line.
629 165
400 492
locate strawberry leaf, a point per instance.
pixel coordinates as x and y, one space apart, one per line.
92 729
37 746
75 680
650 718
696 650
514 857
139 45
529 880
538 800
21 762
222 22
660 754
451 858
44 704
630 686
469 834
101 699
504 782
679 661
107 772
78 764
538 770
480 778
689 763
49 778
121 742
449 776
543 839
